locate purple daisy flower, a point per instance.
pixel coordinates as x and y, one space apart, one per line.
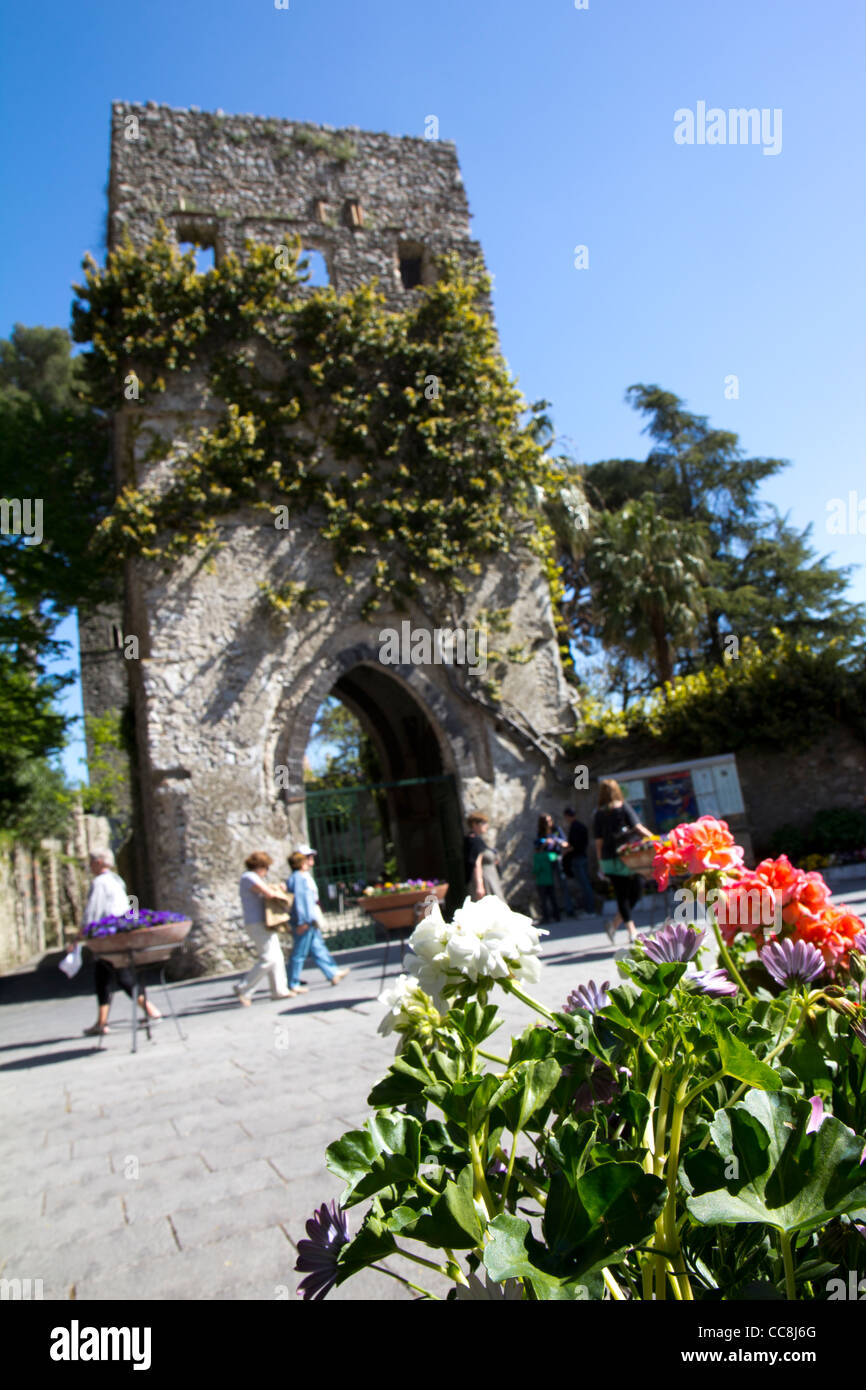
328 1232
590 997
715 983
793 962
675 942
817 1117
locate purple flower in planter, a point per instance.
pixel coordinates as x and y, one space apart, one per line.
675 942
328 1232
715 983
793 962
590 997
131 921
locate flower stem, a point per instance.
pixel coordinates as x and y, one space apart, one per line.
419 1260
514 988
780 1047
383 1269
696 1090
611 1284
510 1170
728 959
679 1274
788 1258
481 1190
491 1057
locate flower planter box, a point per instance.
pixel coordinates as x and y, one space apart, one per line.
639 858
142 944
396 911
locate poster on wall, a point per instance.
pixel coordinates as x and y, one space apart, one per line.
673 800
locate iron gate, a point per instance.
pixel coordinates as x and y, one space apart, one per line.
348 827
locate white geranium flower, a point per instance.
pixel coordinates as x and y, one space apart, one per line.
395 1001
485 941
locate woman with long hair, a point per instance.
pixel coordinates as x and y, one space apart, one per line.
613 825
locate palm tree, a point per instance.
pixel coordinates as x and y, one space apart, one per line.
647 577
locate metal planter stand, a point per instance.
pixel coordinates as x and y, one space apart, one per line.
137 958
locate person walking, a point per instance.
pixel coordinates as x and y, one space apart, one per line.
306 919
613 825
551 832
255 892
574 860
480 862
543 861
108 898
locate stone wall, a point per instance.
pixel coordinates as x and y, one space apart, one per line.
43 891
361 198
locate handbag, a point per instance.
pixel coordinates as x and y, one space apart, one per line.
277 912
71 962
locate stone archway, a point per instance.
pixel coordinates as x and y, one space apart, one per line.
422 762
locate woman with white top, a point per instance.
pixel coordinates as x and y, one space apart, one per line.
108 898
255 892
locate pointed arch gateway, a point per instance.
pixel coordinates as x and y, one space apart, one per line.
422 751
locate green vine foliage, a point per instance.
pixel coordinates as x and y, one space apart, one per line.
401 435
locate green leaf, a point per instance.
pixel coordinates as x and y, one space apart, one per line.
386 1154
533 1044
451 1221
533 1084
607 1210
740 1063
513 1253
658 979
570 1144
351 1156
372 1244
476 1021
637 1012
781 1176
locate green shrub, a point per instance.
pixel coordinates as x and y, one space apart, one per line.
784 698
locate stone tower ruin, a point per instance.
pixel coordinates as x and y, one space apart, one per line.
223 697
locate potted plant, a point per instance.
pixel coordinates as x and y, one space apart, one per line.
393 904
144 930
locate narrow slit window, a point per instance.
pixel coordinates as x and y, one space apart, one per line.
316 268
410 271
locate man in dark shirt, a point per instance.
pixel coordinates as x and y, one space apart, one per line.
574 861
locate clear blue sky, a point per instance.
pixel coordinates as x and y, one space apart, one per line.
704 261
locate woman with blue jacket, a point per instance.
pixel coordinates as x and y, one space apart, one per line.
305 917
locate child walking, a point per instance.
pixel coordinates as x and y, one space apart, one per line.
543 861
305 917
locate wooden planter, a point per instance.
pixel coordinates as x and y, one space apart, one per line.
639 858
140 945
396 911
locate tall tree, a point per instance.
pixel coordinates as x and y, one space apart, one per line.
54 467
646 575
761 573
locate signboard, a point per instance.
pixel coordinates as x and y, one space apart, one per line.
673 800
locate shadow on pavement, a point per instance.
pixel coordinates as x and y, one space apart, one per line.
45 1059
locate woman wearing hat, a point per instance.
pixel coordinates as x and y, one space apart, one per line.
306 919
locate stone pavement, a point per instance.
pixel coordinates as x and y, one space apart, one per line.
187 1170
